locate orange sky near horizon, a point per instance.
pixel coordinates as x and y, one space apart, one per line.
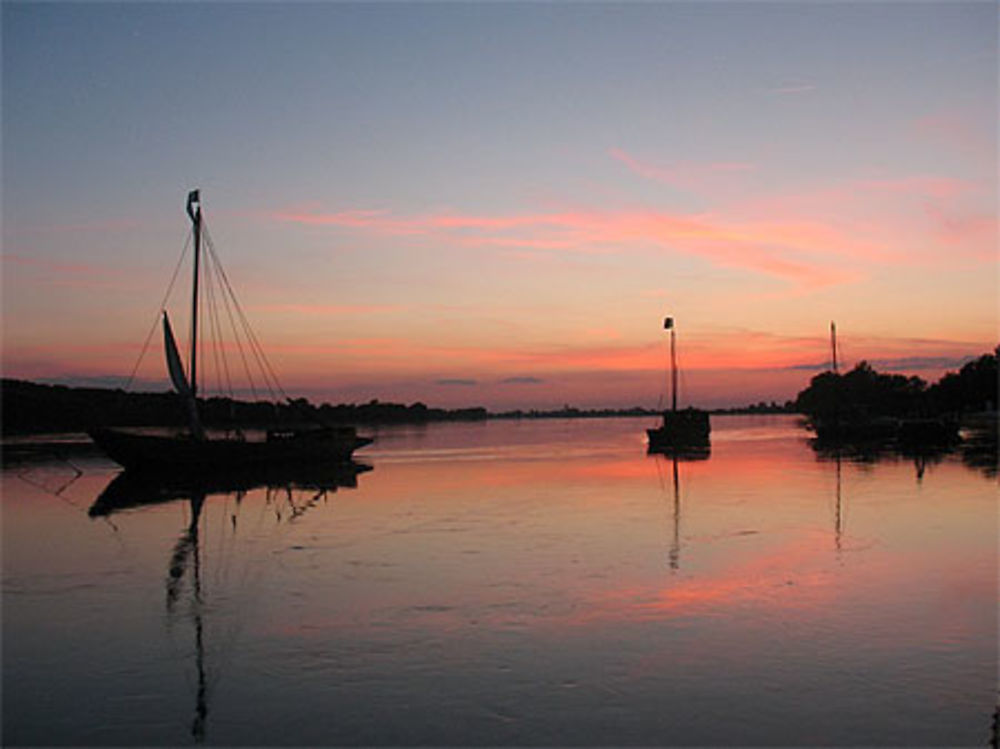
479 227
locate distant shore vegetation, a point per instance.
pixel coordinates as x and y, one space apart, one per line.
30 407
866 392
37 408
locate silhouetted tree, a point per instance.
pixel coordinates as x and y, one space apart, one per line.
973 388
862 392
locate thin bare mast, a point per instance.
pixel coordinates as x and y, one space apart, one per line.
195 214
833 344
669 325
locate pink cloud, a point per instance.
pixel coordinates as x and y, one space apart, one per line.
810 239
790 250
941 188
683 175
903 220
67 275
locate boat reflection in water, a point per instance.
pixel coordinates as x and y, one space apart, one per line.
290 491
676 456
977 448
131 489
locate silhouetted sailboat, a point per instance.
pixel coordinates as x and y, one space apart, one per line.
195 451
686 429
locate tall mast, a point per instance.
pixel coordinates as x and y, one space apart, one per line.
194 212
833 344
673 370
669 325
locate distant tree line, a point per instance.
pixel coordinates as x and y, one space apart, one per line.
761 407
571 412
29 407
865 392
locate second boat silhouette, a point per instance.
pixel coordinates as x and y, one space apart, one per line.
682 430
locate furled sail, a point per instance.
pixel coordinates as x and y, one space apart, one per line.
177 376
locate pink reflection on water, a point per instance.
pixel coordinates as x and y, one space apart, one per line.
793 578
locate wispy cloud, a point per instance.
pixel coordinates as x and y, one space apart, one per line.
797 251
522 380
916 363
811 238
682 175
456 381
891 354
898 364
59 273
802 88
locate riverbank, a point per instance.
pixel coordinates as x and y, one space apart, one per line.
36 408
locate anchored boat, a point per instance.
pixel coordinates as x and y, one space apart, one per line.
196 450
682 430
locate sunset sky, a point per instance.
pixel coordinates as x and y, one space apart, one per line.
497 204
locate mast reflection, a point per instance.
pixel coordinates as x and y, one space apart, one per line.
676 457
298 490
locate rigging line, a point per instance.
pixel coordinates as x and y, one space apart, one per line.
202 376
218 330
268 376
681 378
213 323
239 348
163 304
232 322
259 358
228 294
266 368
211 333
664 381
23 474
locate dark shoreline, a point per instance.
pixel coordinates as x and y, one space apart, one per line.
31 408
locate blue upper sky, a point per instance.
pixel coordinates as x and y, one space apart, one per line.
454 161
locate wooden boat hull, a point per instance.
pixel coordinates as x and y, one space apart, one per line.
184 454
689 428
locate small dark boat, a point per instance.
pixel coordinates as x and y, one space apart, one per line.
684 429
681 430
196 451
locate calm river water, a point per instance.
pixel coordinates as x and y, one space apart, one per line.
511 583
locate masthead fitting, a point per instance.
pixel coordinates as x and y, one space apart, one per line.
668 323
193 199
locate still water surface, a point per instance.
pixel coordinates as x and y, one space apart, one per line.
512 583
